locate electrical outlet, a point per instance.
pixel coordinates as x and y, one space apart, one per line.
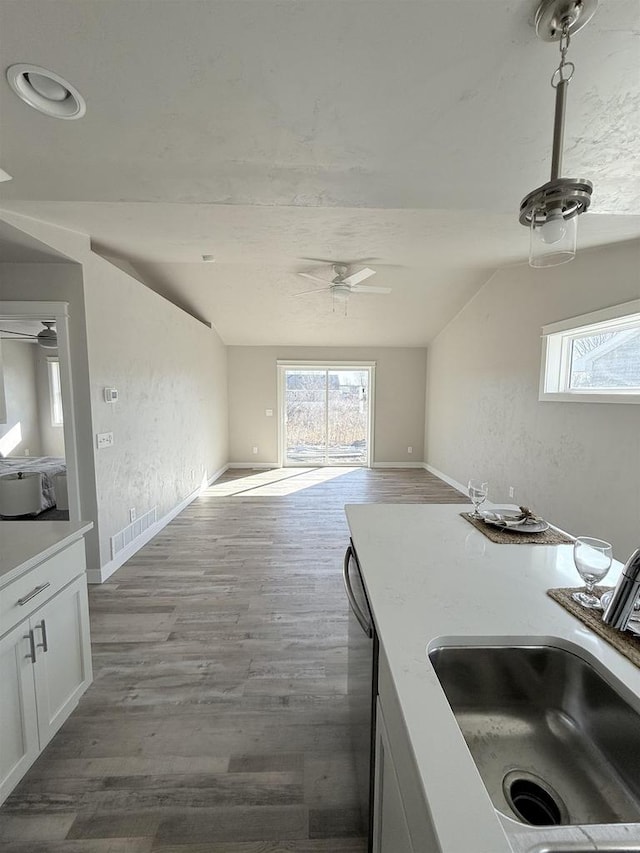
132 514
254 450
512 491
268 413
409 449
104 439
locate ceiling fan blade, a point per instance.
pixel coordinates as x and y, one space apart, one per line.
357 277
19 334
364 288
315 278
353 263
319 290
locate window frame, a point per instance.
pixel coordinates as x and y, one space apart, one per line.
55 391
557 339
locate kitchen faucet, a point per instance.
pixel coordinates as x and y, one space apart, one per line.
625 595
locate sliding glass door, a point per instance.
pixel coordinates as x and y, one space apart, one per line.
326 415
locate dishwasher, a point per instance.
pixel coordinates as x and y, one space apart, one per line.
362 687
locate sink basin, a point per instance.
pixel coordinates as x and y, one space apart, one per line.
554 742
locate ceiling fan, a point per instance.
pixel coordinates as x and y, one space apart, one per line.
47 338
344 283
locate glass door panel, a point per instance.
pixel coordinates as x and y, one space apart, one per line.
326 416
305 417
347 417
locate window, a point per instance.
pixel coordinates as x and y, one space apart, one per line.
593 358
55 392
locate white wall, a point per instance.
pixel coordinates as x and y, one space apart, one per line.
399 399
171 424
576 463
21 396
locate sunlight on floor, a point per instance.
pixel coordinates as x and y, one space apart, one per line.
275 482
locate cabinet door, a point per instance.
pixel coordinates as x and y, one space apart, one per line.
390 829
18 720
63 656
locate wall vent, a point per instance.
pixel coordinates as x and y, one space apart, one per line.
131 532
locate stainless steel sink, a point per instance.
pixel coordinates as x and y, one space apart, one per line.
554 742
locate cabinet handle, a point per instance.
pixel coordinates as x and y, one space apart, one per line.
44 645
33 593
32 645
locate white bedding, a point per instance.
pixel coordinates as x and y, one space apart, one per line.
45 465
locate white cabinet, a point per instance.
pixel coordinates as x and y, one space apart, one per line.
19 745
45 661
401 816
390 828
62 669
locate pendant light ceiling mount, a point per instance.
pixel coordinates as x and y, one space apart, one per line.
553 15
551 210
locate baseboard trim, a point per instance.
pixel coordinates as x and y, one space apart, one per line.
262 466
104 572
398 465
449 480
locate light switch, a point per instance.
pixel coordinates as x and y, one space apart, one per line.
104 439
268 413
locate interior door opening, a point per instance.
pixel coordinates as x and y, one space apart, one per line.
326 415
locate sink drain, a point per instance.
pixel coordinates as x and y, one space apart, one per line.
533 800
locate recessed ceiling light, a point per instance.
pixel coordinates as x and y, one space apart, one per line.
46 91
209 259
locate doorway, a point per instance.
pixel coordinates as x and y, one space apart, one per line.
326 414
59 383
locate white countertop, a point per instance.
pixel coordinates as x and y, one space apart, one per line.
24 544
429 576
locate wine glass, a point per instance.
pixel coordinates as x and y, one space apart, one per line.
592 558
478 491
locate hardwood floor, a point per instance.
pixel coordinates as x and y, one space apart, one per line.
217 719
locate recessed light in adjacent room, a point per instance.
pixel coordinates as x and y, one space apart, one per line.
209 259
45 91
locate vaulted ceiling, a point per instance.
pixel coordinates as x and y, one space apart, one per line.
265 132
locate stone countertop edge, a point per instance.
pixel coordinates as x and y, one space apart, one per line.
25 544
431 579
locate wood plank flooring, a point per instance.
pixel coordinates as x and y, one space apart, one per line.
217 720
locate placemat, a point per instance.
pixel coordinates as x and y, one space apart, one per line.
507 537
625 642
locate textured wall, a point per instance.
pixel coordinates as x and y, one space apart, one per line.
578 463
399 399
170 423
21 396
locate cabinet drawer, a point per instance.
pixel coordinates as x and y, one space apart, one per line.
28 592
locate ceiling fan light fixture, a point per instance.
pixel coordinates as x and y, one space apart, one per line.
46 91
48 337
551 211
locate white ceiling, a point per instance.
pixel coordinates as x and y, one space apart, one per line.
263 132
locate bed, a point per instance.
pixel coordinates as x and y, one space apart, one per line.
47 466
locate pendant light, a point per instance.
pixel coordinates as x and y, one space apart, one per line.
551 211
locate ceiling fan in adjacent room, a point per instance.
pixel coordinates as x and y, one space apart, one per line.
46 338
344 282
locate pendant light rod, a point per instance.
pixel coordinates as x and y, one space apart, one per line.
558 129
560 82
